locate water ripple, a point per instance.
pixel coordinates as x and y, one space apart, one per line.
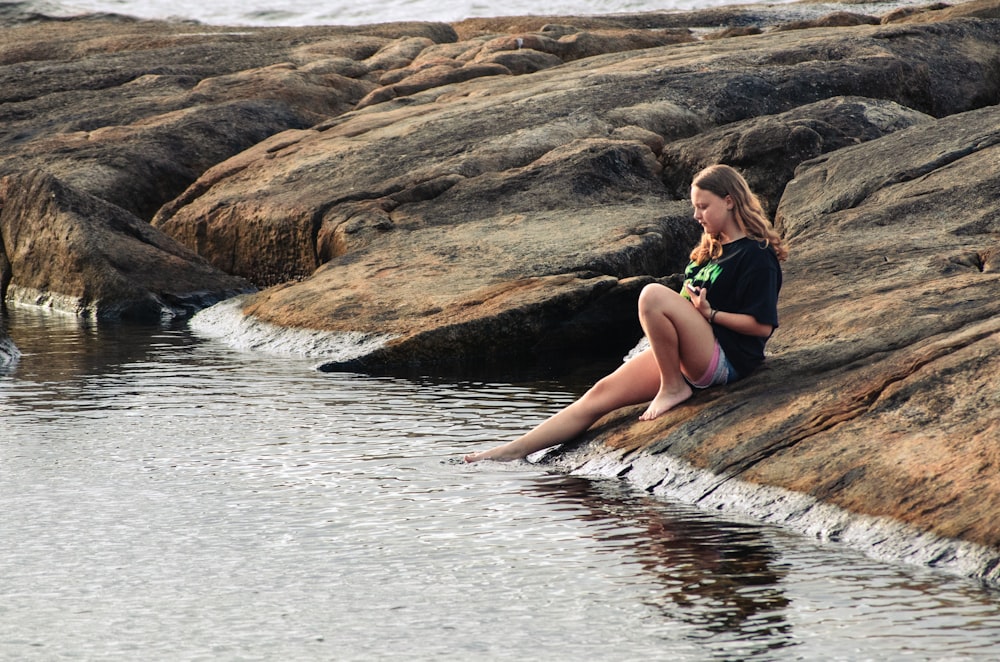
166 495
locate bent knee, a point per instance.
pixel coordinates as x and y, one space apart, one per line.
653 292
657 297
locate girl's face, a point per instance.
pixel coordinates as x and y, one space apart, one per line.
714 214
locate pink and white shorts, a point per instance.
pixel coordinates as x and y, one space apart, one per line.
720 371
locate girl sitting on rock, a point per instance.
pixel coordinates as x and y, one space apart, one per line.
712 333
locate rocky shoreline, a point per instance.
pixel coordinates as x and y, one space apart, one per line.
418 198
880 537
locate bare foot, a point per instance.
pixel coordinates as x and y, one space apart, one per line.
499 454
665 401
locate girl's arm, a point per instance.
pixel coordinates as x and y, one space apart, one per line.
739 322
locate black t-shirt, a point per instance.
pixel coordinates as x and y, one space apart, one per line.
745 279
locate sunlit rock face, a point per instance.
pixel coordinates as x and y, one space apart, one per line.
411 197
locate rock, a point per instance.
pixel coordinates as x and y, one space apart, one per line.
835 20
396 75
411 208
937 12
760 16
72 251
768 149
141 166
133 112
510 54
430 78
573 292
579 44
522 61
903 13
880 394
397 54
9 353
728 33
471 165
17 13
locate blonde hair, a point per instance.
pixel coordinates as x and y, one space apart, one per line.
722 180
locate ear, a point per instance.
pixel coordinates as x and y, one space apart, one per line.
729 202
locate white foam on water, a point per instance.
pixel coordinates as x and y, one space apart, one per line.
343 12
225 321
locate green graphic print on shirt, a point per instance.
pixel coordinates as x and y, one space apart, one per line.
700 277
745 280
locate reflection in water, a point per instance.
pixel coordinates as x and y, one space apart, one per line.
164 493
74 347
723 578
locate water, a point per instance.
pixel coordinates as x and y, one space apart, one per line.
348 12
165 497
168 498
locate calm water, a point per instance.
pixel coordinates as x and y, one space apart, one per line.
166 498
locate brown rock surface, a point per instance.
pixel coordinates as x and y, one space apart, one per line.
73 251
548 176
947 11
477 198
768 149
133 112
881 393
124 115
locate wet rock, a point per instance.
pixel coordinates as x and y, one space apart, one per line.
9 353
75 252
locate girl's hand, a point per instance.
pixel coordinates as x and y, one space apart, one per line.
699 299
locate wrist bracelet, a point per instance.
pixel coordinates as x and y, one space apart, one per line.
711 316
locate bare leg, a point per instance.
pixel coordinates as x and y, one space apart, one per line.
681 343
681 340
633 382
